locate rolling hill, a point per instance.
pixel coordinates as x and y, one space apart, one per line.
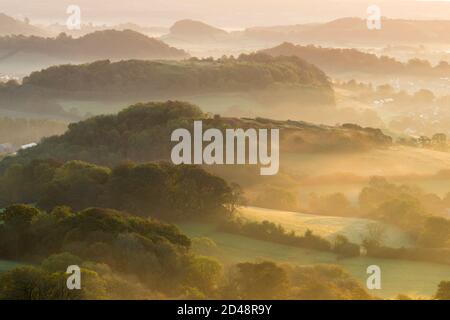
191 30
338 60
142 133
11 26
341 32
399 276
107 44
262 79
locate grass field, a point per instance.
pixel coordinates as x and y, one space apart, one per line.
354 229
7 265
397 276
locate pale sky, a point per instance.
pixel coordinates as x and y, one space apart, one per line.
222 13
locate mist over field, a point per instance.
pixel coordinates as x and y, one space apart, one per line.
89 108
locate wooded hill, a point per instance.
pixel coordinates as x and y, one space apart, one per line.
144 80
247 72
107 44
337 60
142 133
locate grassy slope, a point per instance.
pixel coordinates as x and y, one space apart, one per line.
396 160
354 229
349 173
398 276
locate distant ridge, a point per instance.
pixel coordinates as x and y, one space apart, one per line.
342 31
354 30
108 44
195 30
345 60
11 26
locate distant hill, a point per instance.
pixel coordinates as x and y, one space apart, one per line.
253 71
348 31
57 28
191 30
108 44
11 26
336 60
260 77
142 133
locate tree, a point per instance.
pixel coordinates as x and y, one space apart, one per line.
24 283
344 248
264 280
374 235
443 291
439 140
60 262
435 233
204 273
18 216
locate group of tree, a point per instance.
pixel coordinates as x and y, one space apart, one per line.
269 231
146 78
420 214
158 190
124 256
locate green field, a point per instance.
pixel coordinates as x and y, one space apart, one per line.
355 229
398 276
7 265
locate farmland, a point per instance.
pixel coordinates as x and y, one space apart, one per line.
354 229
398 276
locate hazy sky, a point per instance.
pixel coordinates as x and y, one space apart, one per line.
223 13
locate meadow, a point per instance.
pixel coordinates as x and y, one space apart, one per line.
355 229
417 279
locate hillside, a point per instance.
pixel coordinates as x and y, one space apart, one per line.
337 60
11 26
342 32
254 71
230 248
259 78
191 30
107 44
142 133
351 31
355 229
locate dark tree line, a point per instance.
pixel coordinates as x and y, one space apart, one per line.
158 190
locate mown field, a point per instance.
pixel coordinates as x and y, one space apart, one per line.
355 229
398 276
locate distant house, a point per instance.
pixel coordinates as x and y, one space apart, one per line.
28 145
